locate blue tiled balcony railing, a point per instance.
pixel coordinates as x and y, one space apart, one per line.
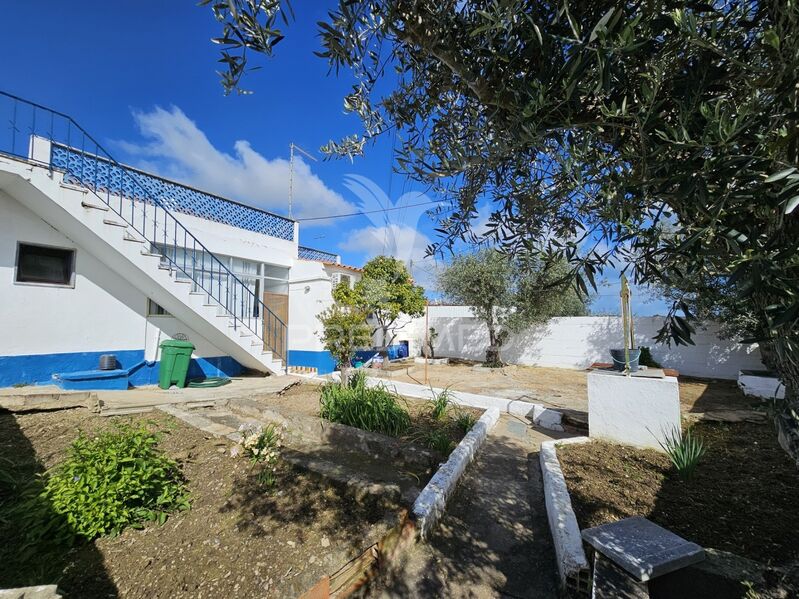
88 169
307 253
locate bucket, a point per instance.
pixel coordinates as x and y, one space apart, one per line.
618 359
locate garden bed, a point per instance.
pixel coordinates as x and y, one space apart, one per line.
424 430
236 540
741 499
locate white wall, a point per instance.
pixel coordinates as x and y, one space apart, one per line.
310 293
577 342
102 312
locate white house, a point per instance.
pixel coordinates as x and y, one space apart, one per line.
99 258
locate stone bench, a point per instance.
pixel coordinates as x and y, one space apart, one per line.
633 552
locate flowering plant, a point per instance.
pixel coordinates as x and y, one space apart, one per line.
261 445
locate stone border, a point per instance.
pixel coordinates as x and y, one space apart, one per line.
571 560
432 361
540 415
431 502
317 430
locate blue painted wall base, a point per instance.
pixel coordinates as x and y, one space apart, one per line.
39 369
321 360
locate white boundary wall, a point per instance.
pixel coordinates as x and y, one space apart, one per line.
577 342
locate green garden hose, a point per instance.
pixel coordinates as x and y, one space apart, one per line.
210 381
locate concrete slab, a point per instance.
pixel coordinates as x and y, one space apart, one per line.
247 387
642 548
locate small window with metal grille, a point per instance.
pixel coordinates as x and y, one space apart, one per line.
45 265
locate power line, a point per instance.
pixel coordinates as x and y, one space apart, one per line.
369 211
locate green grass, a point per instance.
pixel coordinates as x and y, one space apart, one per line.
369 408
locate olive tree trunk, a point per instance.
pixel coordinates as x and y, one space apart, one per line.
493 353
787 410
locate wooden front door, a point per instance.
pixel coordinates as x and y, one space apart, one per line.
274 335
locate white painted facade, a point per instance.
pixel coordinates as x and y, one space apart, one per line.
102 310
311 293
106 307
578 342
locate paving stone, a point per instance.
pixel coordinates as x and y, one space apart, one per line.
642 548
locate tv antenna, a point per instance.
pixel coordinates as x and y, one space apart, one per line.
292 147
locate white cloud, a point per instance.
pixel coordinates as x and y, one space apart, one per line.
400 241
177 149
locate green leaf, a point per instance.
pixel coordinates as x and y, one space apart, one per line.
780 175
772 39
791 204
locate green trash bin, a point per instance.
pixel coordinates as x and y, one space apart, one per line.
175 359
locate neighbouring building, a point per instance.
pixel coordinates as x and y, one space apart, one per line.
100 258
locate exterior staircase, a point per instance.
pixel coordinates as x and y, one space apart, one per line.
137 236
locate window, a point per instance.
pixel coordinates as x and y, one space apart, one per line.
347 279
154 309
45 265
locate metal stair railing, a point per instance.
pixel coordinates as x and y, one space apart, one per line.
87 164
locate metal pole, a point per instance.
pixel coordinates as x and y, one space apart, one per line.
426 336
291 176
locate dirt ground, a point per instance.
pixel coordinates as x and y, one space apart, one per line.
303 398
555 387
235 541
741 499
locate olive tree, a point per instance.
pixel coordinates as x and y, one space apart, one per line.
508 295
664 134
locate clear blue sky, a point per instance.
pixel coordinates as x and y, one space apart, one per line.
139 75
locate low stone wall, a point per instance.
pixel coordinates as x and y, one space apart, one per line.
429 506
538 414
572 563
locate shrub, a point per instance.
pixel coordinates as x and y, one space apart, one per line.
439 441
684 451
440 404
107 483
465 421
372 409
262 446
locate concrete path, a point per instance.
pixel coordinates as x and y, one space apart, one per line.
494 539
49 397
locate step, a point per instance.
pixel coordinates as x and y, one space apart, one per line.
150 254
115 223
72 187
128 237
92 206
